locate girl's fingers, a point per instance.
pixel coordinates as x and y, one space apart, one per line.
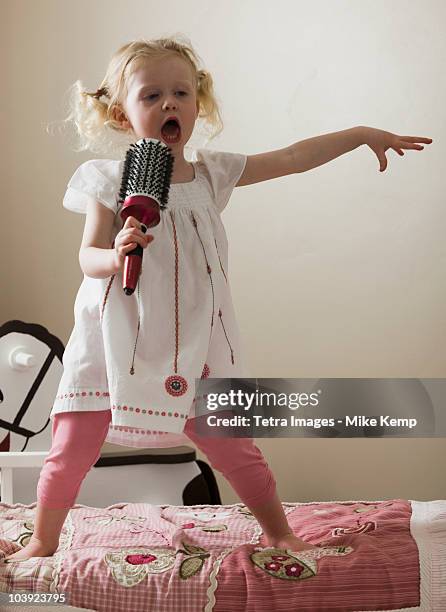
132 233
138 233
405 145
141 241
409 142
416 139
132 222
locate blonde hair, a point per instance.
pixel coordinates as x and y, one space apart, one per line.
93 112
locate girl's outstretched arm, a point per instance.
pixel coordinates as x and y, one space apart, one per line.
316 151
313 152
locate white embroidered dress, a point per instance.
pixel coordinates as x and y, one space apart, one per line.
187 325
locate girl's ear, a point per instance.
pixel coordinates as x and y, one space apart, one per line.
118 115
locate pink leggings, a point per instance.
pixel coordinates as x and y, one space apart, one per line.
76 446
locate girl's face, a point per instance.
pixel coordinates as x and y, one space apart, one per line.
160 89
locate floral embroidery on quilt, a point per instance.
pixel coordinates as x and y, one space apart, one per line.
135 523
107 519
274 562
246 513
214 528
211 528
204 515
289 565
24 535
364 528
131 566
194 562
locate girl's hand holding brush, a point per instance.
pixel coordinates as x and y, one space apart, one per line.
127 239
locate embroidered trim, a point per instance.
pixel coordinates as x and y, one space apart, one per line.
104 301
132 368
137 430
84 394
216 246
209 270
163 413
227 339
175 368
206 371
221 266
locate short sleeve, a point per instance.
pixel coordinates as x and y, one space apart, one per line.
97 179
222 170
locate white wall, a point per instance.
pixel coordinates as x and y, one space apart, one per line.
336 272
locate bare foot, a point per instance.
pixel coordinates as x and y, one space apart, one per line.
34 548
292 542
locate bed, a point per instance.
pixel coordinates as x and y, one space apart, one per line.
374 555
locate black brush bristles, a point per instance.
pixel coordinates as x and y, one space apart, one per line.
148 168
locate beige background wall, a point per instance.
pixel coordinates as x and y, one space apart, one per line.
336 272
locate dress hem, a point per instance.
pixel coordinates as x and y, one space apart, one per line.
123 417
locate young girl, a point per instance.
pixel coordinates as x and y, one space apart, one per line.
131 362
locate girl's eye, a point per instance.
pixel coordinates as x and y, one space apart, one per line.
151 96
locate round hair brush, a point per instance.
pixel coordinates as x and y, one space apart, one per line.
144 192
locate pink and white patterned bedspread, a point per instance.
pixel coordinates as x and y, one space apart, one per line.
374 555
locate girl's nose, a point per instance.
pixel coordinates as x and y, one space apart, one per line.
169 103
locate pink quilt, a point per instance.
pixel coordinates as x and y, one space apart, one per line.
384 555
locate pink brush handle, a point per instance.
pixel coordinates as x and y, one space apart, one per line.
146 210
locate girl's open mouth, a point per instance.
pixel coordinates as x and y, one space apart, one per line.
171 132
